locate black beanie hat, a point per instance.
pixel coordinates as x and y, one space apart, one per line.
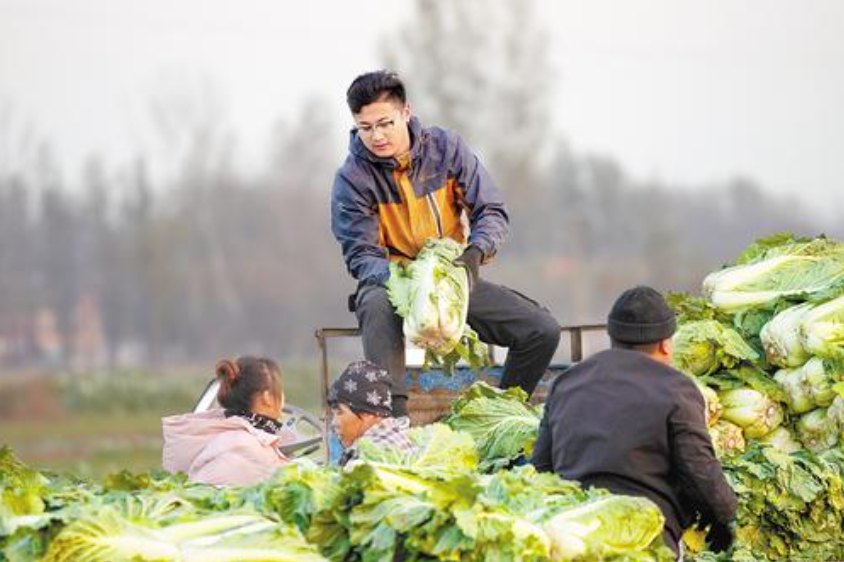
641 315
364 387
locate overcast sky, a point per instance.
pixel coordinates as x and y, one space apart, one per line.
690 92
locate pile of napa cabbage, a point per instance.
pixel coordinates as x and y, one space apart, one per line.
766 344
431 505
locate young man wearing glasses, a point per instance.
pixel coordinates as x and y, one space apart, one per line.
401 184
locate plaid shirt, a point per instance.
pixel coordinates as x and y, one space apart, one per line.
389 432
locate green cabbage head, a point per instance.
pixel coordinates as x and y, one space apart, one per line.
781 439
817 431
727 439
751 410
706 346
822 329
782 339
613 525
798 395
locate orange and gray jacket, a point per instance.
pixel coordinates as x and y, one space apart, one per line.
384 209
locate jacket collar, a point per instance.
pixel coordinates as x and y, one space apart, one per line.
265 438
388 425
357 148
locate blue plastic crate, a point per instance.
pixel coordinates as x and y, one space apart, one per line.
420 380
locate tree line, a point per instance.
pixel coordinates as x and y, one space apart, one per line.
207 260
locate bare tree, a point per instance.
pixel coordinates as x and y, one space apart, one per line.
60 264
191 119
19 144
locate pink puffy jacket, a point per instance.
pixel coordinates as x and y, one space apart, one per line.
214 449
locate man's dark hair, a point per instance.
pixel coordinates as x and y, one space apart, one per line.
375 86
648 348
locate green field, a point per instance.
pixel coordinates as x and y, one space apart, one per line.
87 445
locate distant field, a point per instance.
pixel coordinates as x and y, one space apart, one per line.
87 445
94 424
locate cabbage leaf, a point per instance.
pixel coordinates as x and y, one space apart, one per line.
502 422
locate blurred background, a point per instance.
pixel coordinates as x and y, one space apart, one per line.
165 172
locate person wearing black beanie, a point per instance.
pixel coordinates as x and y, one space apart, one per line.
625 420
641 316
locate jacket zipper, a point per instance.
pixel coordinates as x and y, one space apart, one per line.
435 210
432 203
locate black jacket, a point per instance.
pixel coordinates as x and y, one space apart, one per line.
625 422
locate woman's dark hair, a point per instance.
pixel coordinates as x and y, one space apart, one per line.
242 379
375 86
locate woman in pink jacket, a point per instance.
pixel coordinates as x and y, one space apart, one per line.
238 444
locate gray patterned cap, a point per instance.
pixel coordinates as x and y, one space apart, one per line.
363 386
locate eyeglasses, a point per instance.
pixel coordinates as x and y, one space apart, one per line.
385 126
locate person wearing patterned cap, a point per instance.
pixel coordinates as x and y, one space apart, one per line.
362 408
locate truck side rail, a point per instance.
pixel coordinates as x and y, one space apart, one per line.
323 335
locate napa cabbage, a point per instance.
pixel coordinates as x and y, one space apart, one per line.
727 438
798 395
431 294
435 446
781 439
21 488
822 329
798 271
706 346
817 431
782 338
712 403
751 410
108 535
809 386
604 527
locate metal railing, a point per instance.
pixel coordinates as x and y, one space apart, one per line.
575 333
